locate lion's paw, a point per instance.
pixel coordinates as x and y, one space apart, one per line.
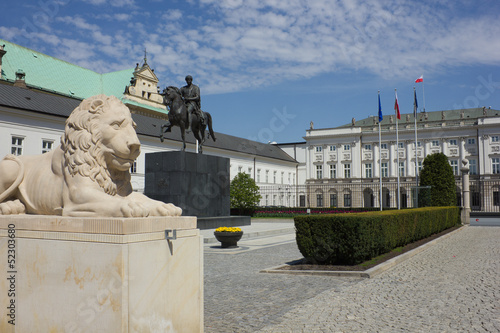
164 209
12 207
133 209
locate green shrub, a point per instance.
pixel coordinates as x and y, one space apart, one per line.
438 174
244 194
349 239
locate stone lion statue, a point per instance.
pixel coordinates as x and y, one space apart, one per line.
87 175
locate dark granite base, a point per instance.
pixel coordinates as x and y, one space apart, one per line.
197 183
222 221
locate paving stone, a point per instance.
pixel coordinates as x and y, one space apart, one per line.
450 287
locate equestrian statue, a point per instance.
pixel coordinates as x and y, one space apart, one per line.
185 112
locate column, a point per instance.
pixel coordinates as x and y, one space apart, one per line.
376 160
466 193
410 170
392 160
340 171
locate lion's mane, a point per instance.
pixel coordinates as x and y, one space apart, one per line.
81 143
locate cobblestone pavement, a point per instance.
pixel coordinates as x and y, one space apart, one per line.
240 299
454 286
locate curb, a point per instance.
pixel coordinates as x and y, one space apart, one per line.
369 273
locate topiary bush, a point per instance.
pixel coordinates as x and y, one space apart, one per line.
350 239
438 174
244 194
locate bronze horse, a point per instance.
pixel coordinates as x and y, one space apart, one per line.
178 116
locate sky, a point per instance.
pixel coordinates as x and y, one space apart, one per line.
267 68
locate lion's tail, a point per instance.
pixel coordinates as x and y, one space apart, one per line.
18 180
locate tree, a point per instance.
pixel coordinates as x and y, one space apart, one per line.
244 193
438 174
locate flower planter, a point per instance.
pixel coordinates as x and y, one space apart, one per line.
228 239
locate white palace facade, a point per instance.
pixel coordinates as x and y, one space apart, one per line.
341 167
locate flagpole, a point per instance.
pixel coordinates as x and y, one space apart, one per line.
398 194
423 90
380 146
415 106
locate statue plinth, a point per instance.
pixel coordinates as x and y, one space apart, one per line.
70 274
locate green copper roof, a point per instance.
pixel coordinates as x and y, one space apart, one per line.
53 74
131 102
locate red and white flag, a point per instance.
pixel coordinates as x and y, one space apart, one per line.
420 79
396 107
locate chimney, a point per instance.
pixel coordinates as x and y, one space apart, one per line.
2 53
20 79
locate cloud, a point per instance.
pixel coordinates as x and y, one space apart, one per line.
78 22
114 3
233 45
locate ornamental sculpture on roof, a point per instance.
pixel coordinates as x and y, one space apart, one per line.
87 175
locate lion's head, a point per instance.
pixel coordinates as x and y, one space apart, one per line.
100 142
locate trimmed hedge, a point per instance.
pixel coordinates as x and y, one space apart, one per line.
350 239
288 212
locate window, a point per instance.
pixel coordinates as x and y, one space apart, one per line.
347 199
454 166
347 147
282 177
368 147
419 144
319 200
368 170
333 148
435 143
258 175
250 171
496 198
318 149
383 146
133 167
385 169
473 167
319 171
419 166
401 169
494 138
333 200
289 177
495 163
401 145
347 170
240 169
267 199
267 176
333 171
17 146
274 177
302 200
453 142
471 141
47 145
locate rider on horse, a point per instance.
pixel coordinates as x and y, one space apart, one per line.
191 95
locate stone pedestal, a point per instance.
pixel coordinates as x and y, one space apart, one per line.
60 274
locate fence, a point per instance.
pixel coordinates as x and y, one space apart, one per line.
485 195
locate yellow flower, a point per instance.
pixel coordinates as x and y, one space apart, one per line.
228 229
